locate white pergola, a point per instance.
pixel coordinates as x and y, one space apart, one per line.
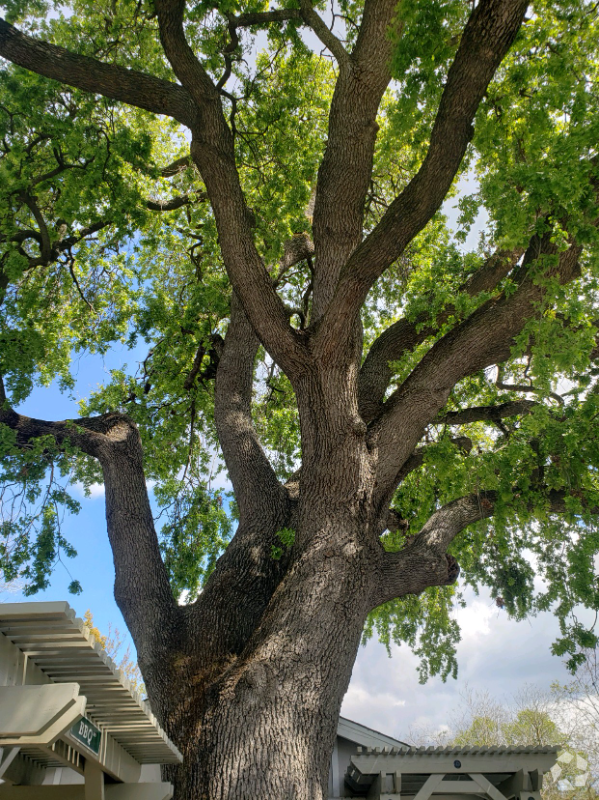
65 704
450 773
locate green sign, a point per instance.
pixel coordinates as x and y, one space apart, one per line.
86 732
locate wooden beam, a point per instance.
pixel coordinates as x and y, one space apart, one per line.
491 791
515 784
122 791
435 761
429 787
7 756
31 710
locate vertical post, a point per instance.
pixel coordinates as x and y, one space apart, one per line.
94 780
376 787
397 783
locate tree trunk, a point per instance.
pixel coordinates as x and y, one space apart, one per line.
265 727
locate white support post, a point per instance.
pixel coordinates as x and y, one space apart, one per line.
397 783
94 781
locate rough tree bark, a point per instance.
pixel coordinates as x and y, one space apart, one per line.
248 680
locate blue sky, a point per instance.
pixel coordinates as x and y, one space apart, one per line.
93 566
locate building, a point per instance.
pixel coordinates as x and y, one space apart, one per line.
73 728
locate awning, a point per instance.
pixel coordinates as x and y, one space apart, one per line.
450 773
56 648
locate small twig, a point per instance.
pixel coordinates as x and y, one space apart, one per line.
71 263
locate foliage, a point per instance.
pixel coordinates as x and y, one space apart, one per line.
88 259
112 643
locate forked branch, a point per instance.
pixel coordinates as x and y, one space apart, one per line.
344 175
404 335
484 338
425 561
486 39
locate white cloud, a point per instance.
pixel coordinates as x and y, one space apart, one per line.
496 655
475 619
96 490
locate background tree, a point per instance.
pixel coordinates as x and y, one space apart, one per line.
113 642
533 719
255 193
580 700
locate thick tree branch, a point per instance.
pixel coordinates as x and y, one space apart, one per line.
175 167
141 581
128 86
484 338
486 39
213 154
344 174
425 561
466 416
405 335
89 434
197 106
212 150
186 66
326 36
250 18
252 476
246 575
45 243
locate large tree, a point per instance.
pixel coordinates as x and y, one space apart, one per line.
256 191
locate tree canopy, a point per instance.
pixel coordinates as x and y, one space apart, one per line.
154 154
107 236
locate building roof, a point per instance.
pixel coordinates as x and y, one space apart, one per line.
407 751
60 645
451 771
365 736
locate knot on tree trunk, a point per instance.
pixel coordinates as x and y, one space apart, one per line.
453 569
